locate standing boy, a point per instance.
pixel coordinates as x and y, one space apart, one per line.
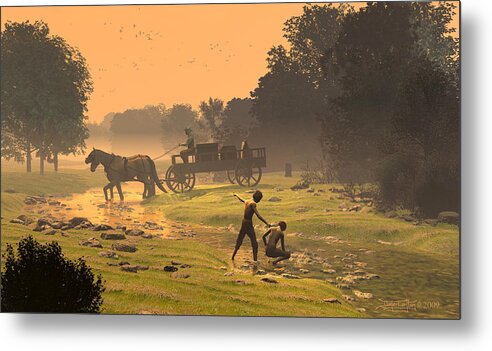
247 227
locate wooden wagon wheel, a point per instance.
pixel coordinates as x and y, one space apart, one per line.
231 175
247 175
180 181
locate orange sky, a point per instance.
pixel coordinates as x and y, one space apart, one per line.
140 55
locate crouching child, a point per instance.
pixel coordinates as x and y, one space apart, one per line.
276 234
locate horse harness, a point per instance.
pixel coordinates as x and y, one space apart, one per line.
125 166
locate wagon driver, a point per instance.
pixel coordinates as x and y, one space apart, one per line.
190 145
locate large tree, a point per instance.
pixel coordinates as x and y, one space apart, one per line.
45 86
291 95
396 68
211 113
238 120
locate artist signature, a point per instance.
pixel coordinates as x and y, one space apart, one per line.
407 305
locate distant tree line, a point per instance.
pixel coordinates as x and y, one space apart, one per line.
214 121
45 86
379 88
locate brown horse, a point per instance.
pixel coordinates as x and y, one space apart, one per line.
119 169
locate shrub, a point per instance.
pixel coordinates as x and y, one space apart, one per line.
40 279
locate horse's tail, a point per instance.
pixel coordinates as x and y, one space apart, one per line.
154 176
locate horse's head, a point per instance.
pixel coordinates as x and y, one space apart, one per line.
93 160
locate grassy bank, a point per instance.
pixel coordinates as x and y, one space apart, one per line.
418 263
206 291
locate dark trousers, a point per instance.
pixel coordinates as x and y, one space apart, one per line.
248 229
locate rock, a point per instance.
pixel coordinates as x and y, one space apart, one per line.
360 309
101 227
362 295
44 222
332 300
75 221
316 194
17 221
390 214
239 282
300 185
355 208
50 232
348 298
134 232
92 242
407 218
170 269
274 199
147 236
228 274
260 272
57 225
185 265
142 268
301 210
310 190
224 268
269 280
432 222
178 275
175 263
343 286
123 263
54 203
34 200
108 254
25 219
449 217
40 229
113 236
370 276
304 271
129 268
124 247
329 271
359 272
290 276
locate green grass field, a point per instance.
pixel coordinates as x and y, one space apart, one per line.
206 292
418 265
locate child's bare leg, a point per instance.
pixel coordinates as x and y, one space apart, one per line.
285 256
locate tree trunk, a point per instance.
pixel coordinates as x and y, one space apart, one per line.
55 161
28 157
41 161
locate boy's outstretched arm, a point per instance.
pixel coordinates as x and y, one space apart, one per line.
260 217
238 197
265 235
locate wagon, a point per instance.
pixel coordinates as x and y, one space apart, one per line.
242 166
